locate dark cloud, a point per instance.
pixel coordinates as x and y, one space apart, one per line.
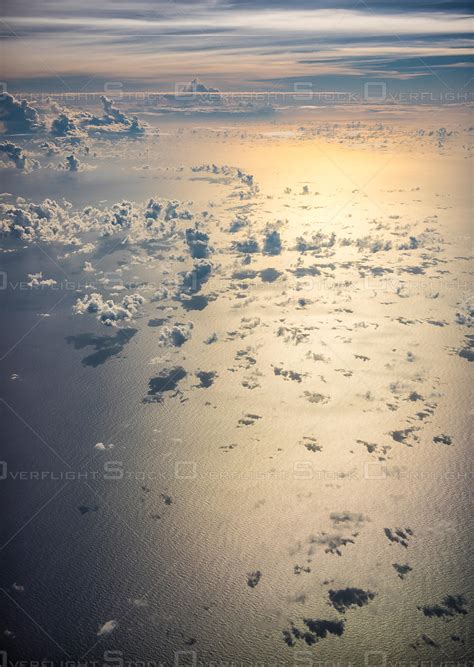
72 163
194 280
198 243
18 117
176 335
272 243
13 153
113 123
269 275
249 245
196 86
62 126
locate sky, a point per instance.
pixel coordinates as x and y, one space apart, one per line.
240 45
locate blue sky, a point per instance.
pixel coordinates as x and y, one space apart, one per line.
61 45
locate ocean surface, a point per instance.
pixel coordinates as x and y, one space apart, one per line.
301 457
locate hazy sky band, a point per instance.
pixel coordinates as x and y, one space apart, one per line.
237 45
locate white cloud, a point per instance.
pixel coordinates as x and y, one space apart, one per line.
108 312
107 628
37 280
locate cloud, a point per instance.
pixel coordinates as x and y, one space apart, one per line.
63 126
107 628
72 163
73 125
13 153
108 312
113 123
111 112
101 446
198 243
176 335
272 242
196 86
317 242
193 280
248 245
37 280
465 312
48 221
52 221
18 117
233 44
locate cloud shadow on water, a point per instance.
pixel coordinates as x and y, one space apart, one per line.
106 346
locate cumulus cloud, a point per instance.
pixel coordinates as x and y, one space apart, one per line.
17 155
248 245
108 312
111 111
196 86
74 126
465 312
37 280
13 153
317 242
102 446
194 279
176 335
52 221
272 242
72 163
107 628
63 126
198 243
113 122
373 244
230 173
18 117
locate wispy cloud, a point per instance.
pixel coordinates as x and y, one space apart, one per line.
233 44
